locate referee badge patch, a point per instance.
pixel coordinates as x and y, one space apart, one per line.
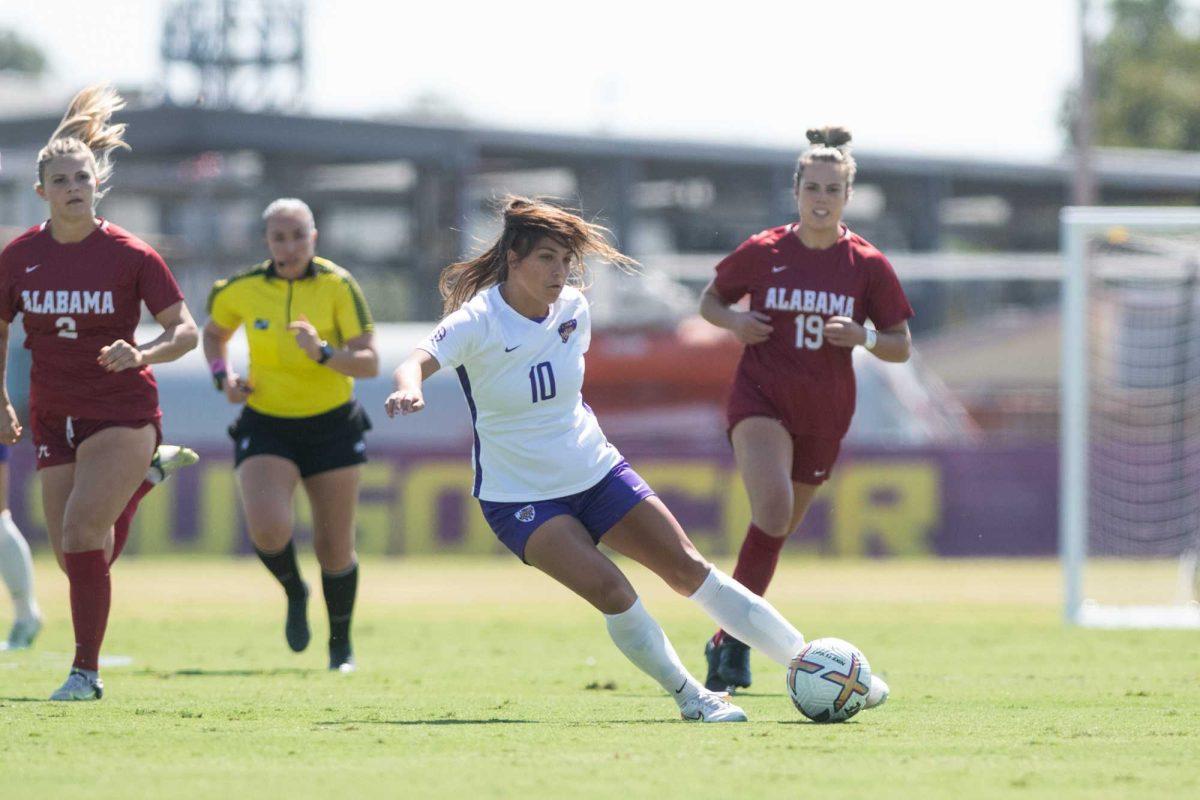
526 514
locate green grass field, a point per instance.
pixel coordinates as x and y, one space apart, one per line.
482 678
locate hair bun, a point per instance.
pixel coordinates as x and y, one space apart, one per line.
829 136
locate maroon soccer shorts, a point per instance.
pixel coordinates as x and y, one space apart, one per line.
813 457
55 436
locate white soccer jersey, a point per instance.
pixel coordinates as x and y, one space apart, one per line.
534 437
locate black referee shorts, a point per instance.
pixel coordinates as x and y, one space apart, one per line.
314 444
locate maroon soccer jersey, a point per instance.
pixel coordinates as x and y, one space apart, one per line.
796 376
76 299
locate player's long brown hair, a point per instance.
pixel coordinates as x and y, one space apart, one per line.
830 144
85 129
526 222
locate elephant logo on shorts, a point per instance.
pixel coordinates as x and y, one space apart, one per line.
526 514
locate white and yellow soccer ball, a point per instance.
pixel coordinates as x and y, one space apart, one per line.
828 680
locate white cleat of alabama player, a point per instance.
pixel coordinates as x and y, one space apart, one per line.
79 686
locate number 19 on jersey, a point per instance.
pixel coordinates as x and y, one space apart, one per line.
810 331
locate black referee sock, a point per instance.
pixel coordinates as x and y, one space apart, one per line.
285 569
340 590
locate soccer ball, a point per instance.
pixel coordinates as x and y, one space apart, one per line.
828 680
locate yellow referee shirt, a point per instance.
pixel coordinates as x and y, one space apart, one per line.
286 382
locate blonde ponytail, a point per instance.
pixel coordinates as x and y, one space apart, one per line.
85 129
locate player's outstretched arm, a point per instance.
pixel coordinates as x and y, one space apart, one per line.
408 377
10 426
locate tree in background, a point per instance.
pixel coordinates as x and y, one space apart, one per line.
1146 78
19 55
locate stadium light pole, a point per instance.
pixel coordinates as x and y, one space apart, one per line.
1084 184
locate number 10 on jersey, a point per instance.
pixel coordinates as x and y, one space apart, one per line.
541 382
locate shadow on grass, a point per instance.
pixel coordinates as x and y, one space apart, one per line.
229 673
594 723
491 721
24 700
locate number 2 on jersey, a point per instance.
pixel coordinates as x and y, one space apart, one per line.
541 382
66 327
810 331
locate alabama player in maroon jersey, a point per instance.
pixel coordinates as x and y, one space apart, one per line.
812 285
79 281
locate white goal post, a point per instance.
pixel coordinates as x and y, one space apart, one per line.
1129 493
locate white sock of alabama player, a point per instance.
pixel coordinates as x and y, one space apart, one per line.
748 617
16 568
643 642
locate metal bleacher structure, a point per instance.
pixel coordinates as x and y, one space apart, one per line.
398 199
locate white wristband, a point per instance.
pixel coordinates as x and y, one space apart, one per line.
872 339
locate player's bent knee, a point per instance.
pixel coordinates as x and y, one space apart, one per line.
80 538
335 559
613 596
773 521
686 576
270 539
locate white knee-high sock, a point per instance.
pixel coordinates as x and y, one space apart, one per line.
643 642
16 567
748 617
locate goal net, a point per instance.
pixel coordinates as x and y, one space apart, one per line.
1130 426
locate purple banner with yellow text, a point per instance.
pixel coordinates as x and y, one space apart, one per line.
968 501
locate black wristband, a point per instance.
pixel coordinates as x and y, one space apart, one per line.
219 379
326 353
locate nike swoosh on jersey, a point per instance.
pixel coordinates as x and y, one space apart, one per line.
778 269
510 349
31 269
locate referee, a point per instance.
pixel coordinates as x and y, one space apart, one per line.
310 334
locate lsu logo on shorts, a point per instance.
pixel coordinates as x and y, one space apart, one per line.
526 514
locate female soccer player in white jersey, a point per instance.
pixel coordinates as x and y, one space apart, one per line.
549 482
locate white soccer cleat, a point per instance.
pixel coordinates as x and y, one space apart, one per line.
79 686
169 458
22 634
878 693
711 707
